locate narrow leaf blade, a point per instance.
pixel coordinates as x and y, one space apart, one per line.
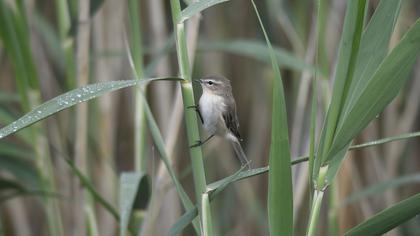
70 99
381 187
382 88
158 140
347 55
183 222
129 189
280 192
89 186
388 218
197 7
373 47
258 50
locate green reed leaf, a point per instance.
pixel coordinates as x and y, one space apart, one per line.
70 99
389 218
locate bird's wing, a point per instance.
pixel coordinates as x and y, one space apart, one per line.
231 118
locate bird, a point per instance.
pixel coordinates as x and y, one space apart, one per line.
217 112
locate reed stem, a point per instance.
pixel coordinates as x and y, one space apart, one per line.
188 98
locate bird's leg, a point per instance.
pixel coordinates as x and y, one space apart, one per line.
199 142
197 109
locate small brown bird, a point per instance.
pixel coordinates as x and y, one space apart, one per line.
217 111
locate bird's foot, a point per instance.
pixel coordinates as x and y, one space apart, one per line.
195 107
197 144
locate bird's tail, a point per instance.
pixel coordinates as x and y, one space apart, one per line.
240 153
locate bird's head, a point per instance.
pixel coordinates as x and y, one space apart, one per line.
215 84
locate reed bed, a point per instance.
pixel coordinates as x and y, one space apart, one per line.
327 93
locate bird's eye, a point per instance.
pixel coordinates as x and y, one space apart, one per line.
210 83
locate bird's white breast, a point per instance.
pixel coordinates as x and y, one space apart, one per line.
211 108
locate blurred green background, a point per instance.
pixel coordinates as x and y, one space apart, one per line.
49 47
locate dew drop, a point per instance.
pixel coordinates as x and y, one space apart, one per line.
60 101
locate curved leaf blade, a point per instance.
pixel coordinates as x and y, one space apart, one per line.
389 218
183 222
221 184
344 69
129 189
84 180
373 47
259 51
70 99
20 168
382 88
160 145
381 187
197 7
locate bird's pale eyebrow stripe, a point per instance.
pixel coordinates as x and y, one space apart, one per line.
214 81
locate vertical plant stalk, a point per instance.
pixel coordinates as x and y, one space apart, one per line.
207 219
348 50
46 173
85 218
63 18
67 42
162 92
164 196
320 28
315 209
312 133
333 228
317 197
67 46
137 60
108 24
188 98
15 36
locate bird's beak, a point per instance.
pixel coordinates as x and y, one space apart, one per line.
198 81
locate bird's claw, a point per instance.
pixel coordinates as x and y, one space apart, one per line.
197 109
197 144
